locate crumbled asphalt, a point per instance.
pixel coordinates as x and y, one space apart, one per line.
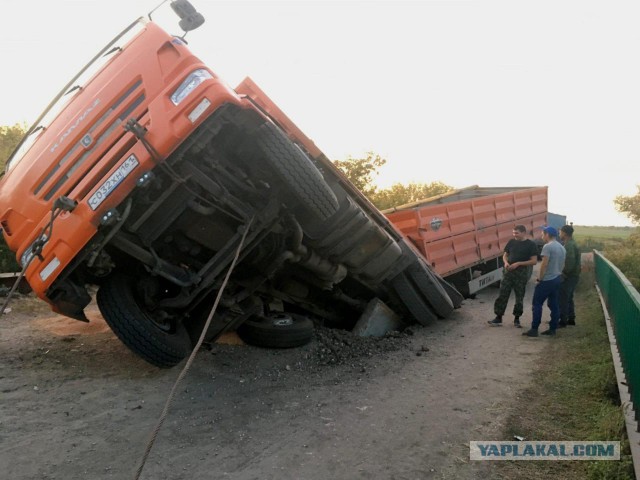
338 347
328 349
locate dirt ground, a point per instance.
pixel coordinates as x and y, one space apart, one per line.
76 404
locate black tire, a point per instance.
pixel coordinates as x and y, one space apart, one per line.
426 283
163 348
283 330
413 300
460 281
455 296
301 177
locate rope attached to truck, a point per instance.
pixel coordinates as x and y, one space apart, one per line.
187 366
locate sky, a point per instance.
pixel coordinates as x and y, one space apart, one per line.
488 93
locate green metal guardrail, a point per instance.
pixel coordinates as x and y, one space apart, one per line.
623 305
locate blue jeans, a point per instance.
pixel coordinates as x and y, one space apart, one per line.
548 290
567 307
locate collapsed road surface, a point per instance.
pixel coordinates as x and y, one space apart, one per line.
76 404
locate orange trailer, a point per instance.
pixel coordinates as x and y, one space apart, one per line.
462 234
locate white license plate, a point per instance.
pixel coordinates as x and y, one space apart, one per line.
112 182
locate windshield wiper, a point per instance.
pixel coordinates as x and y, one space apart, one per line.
78 87
39 127
73 89
114 49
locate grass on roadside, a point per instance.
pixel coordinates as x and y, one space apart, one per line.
601 238
573 396
627 258
603 232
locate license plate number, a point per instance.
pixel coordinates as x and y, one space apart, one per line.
112 182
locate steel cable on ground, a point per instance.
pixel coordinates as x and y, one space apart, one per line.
191 358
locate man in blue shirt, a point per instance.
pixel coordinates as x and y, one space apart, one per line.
548 283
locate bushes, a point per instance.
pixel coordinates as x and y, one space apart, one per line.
627 258
618 245
9 139
7 259
589 243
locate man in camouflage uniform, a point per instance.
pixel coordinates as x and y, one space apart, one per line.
570 277
520 255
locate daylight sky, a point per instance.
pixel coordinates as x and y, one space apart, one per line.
489 93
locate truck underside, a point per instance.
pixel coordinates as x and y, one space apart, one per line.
310 250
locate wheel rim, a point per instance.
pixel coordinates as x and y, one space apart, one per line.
281 320
159 318
164 325
151 333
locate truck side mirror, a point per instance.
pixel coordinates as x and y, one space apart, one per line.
190 18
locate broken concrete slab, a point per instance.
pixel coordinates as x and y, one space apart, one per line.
377 320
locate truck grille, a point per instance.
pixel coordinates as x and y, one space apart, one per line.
89 151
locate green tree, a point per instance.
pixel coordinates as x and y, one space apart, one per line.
9 139
630 206
400 194
360 171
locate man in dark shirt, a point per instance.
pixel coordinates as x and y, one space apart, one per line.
570 276
520 255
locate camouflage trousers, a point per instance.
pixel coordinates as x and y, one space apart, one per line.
515 280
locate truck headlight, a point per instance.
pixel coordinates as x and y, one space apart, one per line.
189 84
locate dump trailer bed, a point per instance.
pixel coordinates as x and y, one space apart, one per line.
462 234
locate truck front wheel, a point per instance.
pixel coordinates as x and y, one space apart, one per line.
156 339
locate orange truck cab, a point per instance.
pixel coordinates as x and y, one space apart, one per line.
142 177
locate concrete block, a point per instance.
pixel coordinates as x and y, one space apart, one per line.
377 320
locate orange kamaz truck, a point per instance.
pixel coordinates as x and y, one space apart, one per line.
145 177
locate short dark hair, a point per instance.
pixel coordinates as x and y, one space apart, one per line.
520 228
568 229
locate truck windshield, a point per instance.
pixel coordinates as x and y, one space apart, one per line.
74 86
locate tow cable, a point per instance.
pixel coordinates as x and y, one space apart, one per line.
187 366
61 204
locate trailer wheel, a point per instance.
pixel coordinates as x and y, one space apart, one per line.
460 281
413 300
160 343
282 330
427 284
456 297
301 177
